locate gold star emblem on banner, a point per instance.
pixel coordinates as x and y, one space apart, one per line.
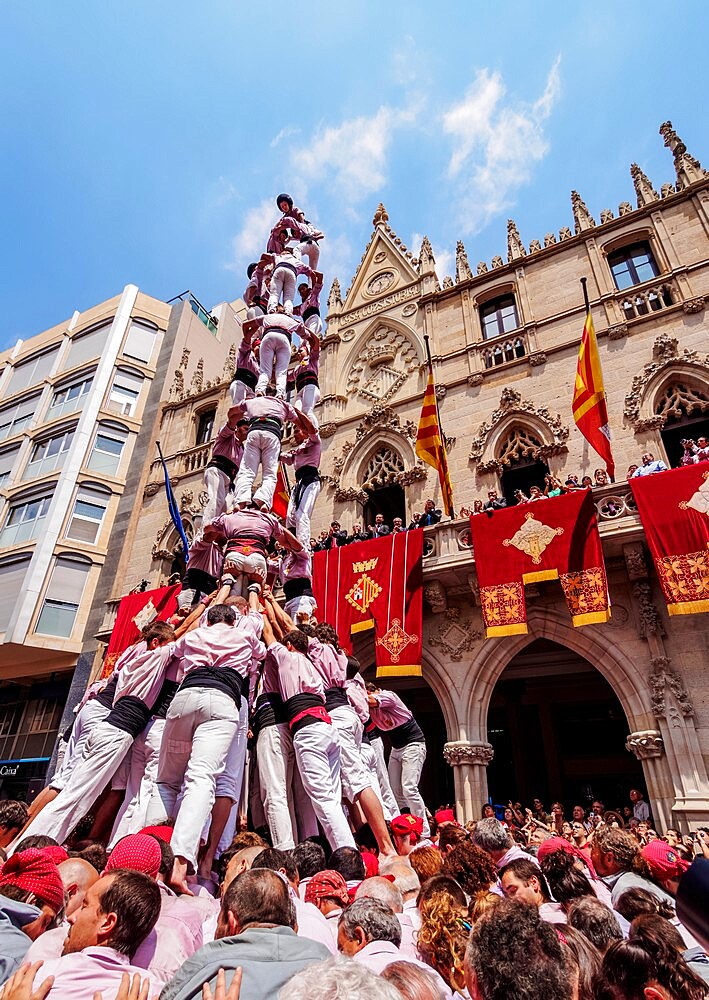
363 593
533 537
396 640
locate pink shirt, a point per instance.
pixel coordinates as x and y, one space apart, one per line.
307 453
331 665
295 566
219 645
357 697
296 673
206 556
79 976
245 357
228 445
312 924
142 671
313 298
268 406
252 523
390 711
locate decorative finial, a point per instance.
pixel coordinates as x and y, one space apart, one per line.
687 167
334 299
644 190
515 246
582 217
462 267
381 216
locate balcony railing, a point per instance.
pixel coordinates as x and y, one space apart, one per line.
198 309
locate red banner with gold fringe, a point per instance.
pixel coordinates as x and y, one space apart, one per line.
549 539
674 510
376 584
135 612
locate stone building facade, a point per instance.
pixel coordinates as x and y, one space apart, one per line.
564 713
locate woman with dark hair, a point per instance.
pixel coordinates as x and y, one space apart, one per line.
588 959
566 882
635 902
664 942
628 972
472 868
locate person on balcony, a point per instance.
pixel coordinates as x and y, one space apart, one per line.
431 515
650 466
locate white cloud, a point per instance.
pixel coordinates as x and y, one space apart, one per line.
445 259
495 144
350 157
250 242
285 133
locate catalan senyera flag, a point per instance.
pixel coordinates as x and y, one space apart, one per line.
281 494
589 403
429 443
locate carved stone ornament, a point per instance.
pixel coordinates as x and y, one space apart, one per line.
606 215
344 496
635 563
537 358
380 417
644 190
441 391
455 635
625 208
380 283
496 262
649 621
334 299
515 246
687 167
620 616
582 217
448 282
197 383
462 267
477 378
534 246
645 744
409 309
186 498
203 499
667 190
564 234
151 489
663 679
229 365
382 366
695 305
461 752
328 429
380 257
666 357
617 331
549 240
482 267
434 593
511 404
381 216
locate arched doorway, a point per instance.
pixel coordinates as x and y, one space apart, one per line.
385 495
521 466
558 731
686 412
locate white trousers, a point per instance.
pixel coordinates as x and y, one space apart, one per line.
275 758
87 718
405 768
216 484
312 252
314 324
307 399
240 567
240 391
282 286
298 518
318 757
253 312
105 749
142 775
262 448
353 774
274 347
200 727
391 807
369 759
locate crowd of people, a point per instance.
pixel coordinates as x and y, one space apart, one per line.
338 536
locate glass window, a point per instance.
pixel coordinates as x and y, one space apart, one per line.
87 515
499 316
87 346
12 577
63 597
124 393
107 450
632 265
140 341
49 455
25 520
205 427
7 460
32 371
16 417
69 398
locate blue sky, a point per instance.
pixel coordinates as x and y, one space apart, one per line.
145 141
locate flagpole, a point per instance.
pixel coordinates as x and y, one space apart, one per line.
585 294
438 412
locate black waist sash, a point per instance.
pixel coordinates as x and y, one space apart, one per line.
129 714
224 465
299 586
167 693
335 697
105 697
305 378
272 424
246 376
244 541
408 732
222 679
278 329
304 476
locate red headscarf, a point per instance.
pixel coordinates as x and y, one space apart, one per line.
559 844
34 872
328 884
139 852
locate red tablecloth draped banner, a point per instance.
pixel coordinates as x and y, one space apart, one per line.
376 584
135 612
545 540
674 510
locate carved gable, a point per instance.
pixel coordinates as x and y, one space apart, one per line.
382 366
386 267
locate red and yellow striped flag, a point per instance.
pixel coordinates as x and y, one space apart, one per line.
589 403
281 494
429 443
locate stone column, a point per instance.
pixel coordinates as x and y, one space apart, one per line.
647 746
469 761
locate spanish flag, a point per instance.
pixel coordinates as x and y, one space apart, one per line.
429 442
589 403
281 494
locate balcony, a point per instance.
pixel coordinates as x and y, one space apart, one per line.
200 311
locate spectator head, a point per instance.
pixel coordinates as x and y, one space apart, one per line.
512 952
648 457
488 811
31 877
598 807
450 836
587 482
137 852
277 861
348 862
538 836
78 876
492 494
328 891
339 977
663 941
426 862
522 881
257 897
429 505
630 972
442 938
665 864
119 911
37 840
471 867
309 858
442 883
596 920
13 816
406 831
382 889
396 524
613 851
566 880
157 633
635 902
491 836
632 469
366 920
578 813
405 878
379 519
296 641
234 862
412 981
586 957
